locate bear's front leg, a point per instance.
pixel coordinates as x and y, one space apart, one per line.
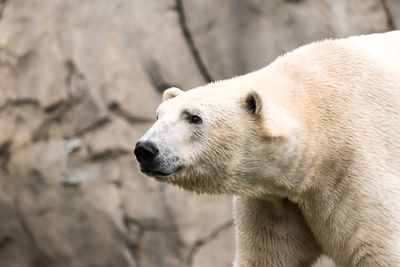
272 233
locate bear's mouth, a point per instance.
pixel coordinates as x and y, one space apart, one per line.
161 175
156 173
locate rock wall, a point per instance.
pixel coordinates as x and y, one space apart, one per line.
79 83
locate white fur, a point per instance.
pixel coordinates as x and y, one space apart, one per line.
317 170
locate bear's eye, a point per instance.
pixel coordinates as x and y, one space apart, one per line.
195 119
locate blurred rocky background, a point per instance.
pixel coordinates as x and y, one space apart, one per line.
79 83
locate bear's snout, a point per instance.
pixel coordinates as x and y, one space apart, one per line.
145 152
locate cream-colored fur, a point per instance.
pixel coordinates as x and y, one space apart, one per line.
310 148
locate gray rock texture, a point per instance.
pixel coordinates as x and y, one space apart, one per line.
79 84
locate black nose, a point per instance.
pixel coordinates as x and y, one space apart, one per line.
145 151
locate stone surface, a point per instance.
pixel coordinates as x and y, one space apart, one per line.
191 210
234 37
221 240
392 9
80 81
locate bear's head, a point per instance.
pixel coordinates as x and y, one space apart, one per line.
213 140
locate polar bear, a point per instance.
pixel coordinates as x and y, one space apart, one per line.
309 147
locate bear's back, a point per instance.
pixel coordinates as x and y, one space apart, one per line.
354 87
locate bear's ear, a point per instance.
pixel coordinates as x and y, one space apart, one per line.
171 93
252 103
272 119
